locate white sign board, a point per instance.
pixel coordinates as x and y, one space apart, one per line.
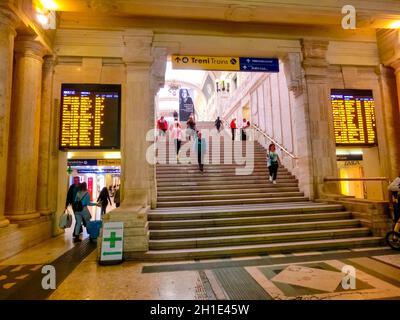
113 240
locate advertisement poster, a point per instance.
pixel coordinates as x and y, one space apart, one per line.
186 106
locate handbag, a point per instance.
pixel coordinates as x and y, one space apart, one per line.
65 220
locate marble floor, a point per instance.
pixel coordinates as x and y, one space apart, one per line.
301 276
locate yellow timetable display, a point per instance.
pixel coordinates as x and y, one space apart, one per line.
90 116
354 117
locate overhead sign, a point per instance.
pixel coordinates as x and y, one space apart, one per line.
250 64
112 242
94 162
349 157
259 64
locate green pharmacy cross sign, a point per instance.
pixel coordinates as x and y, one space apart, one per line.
113 240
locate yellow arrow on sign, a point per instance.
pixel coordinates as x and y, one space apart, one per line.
205 63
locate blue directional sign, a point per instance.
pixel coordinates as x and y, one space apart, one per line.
259 64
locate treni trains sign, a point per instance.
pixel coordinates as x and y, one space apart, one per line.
249 64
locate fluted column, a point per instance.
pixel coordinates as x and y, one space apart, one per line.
21 196
7 34
320 116
46 118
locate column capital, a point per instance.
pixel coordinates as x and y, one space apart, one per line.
314 57
27 46
49 62
137 46
294 73
8 19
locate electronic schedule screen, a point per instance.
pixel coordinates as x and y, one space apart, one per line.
90 116
354 117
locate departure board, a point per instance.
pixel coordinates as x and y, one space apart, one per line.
90 116
354 117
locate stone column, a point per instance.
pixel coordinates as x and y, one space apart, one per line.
23 157
390 96
46 118
321 130
136 115
157 81
7 34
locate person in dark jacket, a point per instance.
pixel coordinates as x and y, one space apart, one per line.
218 124
104 200
71 195
200 146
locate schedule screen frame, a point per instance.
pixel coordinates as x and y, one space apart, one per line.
98 88
359 115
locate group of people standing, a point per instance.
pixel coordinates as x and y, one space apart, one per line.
79 198
192 134
243 129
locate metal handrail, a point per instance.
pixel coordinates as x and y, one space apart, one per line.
274 142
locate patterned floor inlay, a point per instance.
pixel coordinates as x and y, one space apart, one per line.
24 282
12 278
262 261
393 259
239 285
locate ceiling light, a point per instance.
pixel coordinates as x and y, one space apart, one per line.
395 25
43 19
49 4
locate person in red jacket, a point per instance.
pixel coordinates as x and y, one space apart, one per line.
233 128
162 126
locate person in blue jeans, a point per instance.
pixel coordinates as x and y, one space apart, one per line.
84 215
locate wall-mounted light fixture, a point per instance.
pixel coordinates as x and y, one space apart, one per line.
173 87
222 85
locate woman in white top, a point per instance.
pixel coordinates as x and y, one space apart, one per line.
176 134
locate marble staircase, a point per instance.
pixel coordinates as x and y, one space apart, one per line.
218 214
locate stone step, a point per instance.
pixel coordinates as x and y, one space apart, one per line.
299 208
162 204
217 177
221 166
208 191
217 183
186 187
264 238
251 229
260 249
194 198
236 220
184 170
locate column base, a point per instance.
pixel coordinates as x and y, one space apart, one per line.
136 230
22 217
4 223
46 213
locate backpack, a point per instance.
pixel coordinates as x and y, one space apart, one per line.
77 205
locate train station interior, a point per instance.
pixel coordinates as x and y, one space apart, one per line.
312 87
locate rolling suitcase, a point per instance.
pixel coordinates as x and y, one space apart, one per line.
93 229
